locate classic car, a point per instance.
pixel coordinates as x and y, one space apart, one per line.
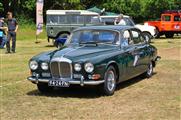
168 24
95 55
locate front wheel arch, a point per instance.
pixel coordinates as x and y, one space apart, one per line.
60 44
115 65
147 32
157 32
63 32
109 86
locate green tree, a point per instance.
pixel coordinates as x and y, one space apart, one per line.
140 10
1 7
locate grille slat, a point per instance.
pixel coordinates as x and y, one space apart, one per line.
65 70
55 70
60 69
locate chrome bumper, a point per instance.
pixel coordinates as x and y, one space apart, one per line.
71 81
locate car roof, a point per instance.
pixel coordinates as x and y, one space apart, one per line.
113 16
106 27
64 12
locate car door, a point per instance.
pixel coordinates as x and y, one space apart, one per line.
177 23
126 57
140 52
166 22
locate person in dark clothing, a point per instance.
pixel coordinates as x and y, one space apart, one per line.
3 32
12 29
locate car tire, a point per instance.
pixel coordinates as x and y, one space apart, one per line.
54 43
109 85
44 88
147 36
59 45
149 71
157 34
169 35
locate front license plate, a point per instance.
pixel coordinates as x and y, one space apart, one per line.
58 83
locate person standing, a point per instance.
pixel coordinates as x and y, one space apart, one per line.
12 29
120 20
3 32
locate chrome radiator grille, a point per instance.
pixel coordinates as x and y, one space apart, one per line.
55 69
61 69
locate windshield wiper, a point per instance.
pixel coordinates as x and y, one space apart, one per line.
106 43
91 42
96 43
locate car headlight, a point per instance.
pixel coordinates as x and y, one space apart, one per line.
77 67
44 66
89 67
33 65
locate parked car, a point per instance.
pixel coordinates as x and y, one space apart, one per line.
60 23
95 55
169 24
60 41
148 31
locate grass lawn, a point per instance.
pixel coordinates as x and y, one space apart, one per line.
157 98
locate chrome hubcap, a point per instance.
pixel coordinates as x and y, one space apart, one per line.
150 69
110 80
147 37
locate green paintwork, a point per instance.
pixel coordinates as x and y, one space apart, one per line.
104 55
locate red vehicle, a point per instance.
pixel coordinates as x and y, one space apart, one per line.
169 24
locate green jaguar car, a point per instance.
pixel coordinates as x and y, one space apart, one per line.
101 56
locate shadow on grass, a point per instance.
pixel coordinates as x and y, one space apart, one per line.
88 92
73 92
132 81
50 46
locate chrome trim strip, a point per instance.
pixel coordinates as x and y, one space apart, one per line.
61 59
70 81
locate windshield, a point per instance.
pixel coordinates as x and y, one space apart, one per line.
129 21
108 21
94 36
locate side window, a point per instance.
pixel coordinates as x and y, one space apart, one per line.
137 37
128 22
126 38
62 19
166 18
52 19
92 19
177 18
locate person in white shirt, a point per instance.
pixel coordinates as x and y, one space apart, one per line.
125 40
119 20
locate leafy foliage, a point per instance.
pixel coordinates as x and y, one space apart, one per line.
140 10
1 7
